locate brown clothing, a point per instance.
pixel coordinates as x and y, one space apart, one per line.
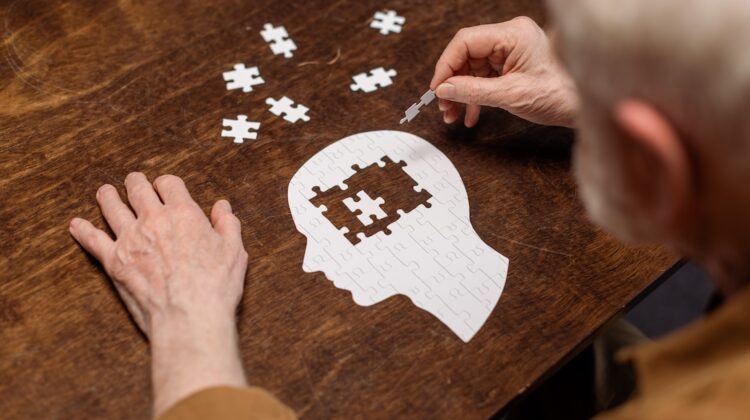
229 403
701 372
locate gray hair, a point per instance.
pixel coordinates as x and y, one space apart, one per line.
688 58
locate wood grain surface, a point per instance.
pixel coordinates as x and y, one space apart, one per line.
93 89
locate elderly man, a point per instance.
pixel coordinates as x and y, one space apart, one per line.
659 91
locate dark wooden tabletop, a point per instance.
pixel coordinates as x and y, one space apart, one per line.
93 89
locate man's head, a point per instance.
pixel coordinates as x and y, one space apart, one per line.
664 147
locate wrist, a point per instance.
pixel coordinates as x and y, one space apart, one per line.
190 353
191 329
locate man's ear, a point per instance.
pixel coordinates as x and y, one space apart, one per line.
658 169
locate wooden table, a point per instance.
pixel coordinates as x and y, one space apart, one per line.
93 89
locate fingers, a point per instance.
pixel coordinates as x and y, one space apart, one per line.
225 222
172 190
444 104
93 240
115 212
473 90
472 115
141 194
469 43
450 116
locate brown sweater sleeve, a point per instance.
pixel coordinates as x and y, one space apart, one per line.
229 403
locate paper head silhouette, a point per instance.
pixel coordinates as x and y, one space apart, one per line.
386 213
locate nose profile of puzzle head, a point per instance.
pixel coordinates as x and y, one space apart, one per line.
386 213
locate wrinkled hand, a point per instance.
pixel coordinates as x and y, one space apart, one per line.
509 65
180 276
168 261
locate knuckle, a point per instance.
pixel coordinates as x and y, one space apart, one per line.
184 210
523 20
122 212
526 23
473 93
116 269
139 189
151 229
463 34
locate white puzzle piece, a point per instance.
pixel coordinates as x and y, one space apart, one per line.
366 206
290 113
243 78
240 129
413 110
278 39
378 77
387 21
429 253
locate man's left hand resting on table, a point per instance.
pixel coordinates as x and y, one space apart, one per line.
181 277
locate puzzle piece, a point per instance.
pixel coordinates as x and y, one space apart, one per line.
291 113
240 129
387 21
278 39
365 208
378 77
243 78
387 179
413 110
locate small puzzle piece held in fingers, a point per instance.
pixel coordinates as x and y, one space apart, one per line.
291 113
243 78
241 129
387 21
378 77
413 110
278 39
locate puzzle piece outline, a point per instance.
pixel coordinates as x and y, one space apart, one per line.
240 129
387 21
377 78
365 208
285 106
278 39
243 78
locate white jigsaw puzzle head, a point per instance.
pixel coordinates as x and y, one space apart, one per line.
432 254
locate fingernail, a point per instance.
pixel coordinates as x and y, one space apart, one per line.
99 190
74 222
226 205
442 106
446 91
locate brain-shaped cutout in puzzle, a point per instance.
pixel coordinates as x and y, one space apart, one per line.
377 196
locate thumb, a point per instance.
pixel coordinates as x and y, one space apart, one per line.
473 90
